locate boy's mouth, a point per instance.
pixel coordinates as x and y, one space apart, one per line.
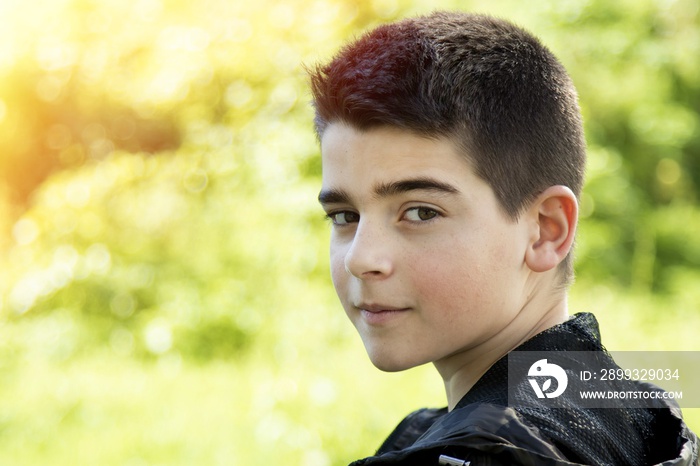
376 314
378 307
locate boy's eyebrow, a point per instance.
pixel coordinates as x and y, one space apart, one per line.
336 196
414 184
333 196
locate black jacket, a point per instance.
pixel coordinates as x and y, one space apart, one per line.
484 430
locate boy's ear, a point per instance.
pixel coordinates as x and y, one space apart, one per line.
553 216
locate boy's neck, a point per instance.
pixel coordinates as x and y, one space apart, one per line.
461 371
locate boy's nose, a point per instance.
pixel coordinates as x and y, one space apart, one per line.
369 253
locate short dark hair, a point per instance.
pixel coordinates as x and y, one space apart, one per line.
485 83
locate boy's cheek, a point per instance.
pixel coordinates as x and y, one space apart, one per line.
339 275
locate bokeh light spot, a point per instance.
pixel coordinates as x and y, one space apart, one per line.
49 88
121 340
238 94
158 336
668 171
195 181
240 30
25 231
78 194
98 259
123 305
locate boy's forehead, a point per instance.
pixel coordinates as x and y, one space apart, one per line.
389 149
388 160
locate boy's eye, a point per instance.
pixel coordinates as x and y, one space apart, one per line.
420 214
344 218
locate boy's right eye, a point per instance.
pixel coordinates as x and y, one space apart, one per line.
344 217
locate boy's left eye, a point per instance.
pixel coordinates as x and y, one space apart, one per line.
420 214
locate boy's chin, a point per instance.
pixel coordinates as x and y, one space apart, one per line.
390 363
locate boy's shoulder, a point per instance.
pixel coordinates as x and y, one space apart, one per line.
482 433
488 434
485 430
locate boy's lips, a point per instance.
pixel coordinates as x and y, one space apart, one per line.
379 307
376 314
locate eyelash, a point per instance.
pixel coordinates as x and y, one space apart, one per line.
332 216
435 214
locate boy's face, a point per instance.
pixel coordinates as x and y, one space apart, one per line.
426 264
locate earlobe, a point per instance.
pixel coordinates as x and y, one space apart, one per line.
555 215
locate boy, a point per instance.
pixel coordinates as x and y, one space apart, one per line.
453 157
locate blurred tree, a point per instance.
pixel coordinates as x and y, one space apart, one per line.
640 92
219 95
56 129
180 209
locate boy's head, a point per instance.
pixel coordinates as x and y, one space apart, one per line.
487 85
452 157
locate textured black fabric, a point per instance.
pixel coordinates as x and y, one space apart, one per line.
482 427
485 434
413 426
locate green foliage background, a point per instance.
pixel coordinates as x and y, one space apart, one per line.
164 294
